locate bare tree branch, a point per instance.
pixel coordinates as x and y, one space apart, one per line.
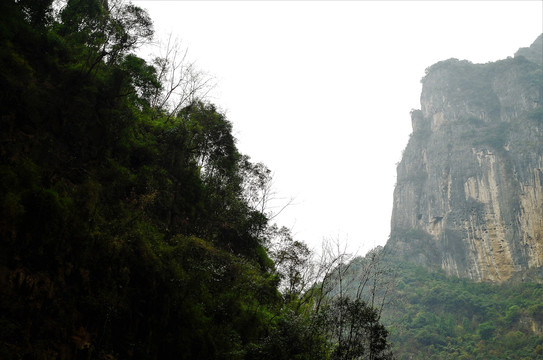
182 83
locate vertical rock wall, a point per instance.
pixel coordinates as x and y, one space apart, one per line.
469 192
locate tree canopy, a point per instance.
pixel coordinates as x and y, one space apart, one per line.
131 227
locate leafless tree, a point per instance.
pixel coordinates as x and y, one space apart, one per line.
182 83
356 292
345 293
259 189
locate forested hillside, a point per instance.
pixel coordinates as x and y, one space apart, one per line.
131 226
433 316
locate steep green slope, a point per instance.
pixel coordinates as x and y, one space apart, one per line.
432 316
130 229
125 232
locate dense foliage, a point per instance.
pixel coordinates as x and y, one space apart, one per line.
131 230
438 317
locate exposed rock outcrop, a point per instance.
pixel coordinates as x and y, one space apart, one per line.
469 192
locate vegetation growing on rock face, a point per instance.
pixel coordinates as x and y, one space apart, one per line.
130 228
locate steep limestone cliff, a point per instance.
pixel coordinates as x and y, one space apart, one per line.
469 192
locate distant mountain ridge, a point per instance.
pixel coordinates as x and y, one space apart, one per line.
469 192
534 53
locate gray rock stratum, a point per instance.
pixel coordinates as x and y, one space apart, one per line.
469 192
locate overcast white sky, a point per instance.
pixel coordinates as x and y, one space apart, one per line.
321 91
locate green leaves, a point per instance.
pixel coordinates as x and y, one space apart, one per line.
104 31
356 330
131 227
37 12
142 77
438 317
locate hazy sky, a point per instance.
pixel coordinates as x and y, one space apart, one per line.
321 91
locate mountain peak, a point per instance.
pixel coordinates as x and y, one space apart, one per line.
533 53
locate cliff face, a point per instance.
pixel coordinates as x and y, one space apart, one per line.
469 192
